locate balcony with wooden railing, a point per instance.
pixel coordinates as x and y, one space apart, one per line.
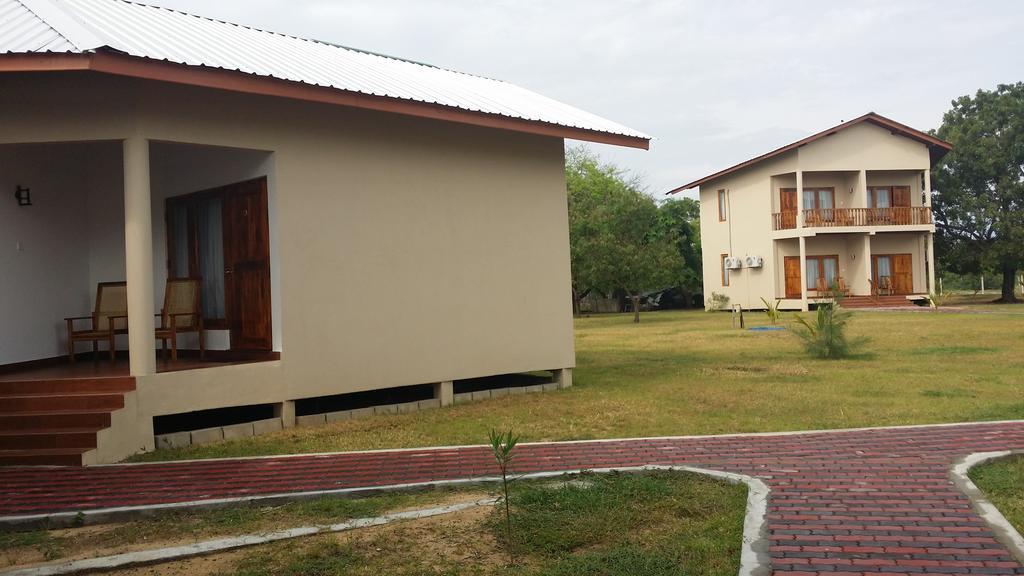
854 217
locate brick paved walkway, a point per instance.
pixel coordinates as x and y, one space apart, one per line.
847 502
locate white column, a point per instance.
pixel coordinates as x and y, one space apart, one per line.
800 200
927 188
138 252
803 274
866 265
931 264
862 190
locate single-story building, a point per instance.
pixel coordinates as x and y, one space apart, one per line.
347 219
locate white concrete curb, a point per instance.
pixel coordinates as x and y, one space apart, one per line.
754 557
1001 527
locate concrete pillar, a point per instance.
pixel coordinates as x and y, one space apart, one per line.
931 263
562 377
927 188
799 199
286 412
803 274
138 252
445 392
866 265
862 190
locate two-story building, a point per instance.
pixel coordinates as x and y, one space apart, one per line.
848 208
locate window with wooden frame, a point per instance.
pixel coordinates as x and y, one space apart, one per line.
725 271
723 206
889 197
195 249
819 198
821 267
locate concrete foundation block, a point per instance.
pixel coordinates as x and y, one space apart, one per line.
550 387
429 404
207 435
386 409
173 440
534 388
339 416
481 395
517 390
311 420
499 392
463 398
562 377
361 412
234 431
266 426
407 407
445 392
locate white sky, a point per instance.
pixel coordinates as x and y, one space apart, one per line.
715 83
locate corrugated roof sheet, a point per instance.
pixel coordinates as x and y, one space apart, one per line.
162 34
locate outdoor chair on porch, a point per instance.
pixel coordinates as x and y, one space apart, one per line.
885 286
181 314
838 285
109 318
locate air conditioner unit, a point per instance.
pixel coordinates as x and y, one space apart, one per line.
755 261
732 263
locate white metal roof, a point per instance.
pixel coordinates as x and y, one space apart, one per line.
81 26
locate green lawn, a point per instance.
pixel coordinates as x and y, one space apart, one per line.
680 373
1002 481
650 524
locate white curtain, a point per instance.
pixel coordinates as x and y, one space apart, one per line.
884 268
825 199
812 273
831 270
211 257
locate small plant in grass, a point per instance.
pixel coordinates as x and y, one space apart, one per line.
937 300
502 445
716 302
824 336
771 309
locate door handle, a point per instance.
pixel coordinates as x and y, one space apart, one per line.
229 271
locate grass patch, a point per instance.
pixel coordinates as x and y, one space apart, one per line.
1002 481
657 523
190 526
692 373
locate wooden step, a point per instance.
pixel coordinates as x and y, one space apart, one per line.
67 386
61 402
53 419
43 457
45 438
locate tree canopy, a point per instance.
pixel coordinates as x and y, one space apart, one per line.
620 239
979 203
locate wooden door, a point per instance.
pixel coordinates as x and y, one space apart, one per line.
788 207
247 265
901 205
794 277
902 274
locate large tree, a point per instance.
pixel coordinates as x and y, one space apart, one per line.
979 203
680 218
615 240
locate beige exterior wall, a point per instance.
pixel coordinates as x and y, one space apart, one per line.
409 251
839 161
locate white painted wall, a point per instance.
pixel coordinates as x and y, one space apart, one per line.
53 252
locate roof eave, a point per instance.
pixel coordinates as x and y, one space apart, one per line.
110 62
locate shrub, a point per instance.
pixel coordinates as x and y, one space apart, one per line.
716 302
771 309
825 335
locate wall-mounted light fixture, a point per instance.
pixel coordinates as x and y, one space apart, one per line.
23 195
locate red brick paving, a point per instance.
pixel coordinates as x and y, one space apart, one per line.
867 502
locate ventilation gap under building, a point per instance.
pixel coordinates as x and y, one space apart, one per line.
216 417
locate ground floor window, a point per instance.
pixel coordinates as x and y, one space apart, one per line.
821 268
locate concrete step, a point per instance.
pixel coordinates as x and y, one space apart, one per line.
61 402
66 386
53 419
43 457
46 438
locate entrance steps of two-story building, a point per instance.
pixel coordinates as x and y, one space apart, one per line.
55 422
878 302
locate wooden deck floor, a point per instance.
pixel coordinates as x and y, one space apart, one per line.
61 369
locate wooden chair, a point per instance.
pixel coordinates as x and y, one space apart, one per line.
885 286
842 287
822 286
109 318
181 314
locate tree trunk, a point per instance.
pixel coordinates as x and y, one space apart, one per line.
636 309
1009 279
575 302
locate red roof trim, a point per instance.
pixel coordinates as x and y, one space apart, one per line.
896 128
123 65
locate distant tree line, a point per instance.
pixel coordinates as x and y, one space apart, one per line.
622 242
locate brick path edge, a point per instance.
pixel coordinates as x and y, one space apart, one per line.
1002 528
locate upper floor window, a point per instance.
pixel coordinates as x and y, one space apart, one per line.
819 198
722 206
889 196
